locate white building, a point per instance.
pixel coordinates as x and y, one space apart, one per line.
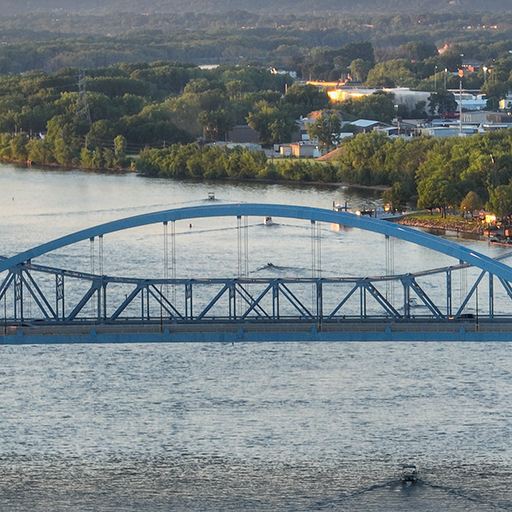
403 95
469 101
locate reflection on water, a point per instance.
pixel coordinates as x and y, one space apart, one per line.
293 426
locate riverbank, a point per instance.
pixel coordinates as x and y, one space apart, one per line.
450 223
55 166
121 170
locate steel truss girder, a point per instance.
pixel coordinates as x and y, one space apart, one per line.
164 302
128 300
423 296
6 283
22 278
343 302
254 305
38 295
469 295
381 300
95 287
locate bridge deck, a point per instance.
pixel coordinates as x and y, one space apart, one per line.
228 332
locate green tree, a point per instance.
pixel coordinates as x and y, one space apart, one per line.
360 68
40 151
273 125
495 92
395 196
442 101
470 203
500 202
392 73
216 124
363 160
418 50
109 158
303 99
120 144
327 130
19 147
378 107
101 133
62 152
437 192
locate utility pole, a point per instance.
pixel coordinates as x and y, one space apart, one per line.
461 74
82 108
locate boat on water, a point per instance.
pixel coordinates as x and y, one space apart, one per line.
380 213
409 473
338 207
376 213
500 240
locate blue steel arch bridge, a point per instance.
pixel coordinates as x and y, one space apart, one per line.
245 308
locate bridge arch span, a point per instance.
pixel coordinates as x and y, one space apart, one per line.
435 243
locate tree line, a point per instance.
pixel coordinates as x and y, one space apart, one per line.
463 174
213 162
458 173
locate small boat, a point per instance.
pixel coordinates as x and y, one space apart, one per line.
338 207
409 473
268 221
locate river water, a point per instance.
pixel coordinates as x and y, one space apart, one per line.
211 427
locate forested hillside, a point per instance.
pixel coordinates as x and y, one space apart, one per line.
212 6
308 43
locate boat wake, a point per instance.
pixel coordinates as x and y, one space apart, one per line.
278 268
